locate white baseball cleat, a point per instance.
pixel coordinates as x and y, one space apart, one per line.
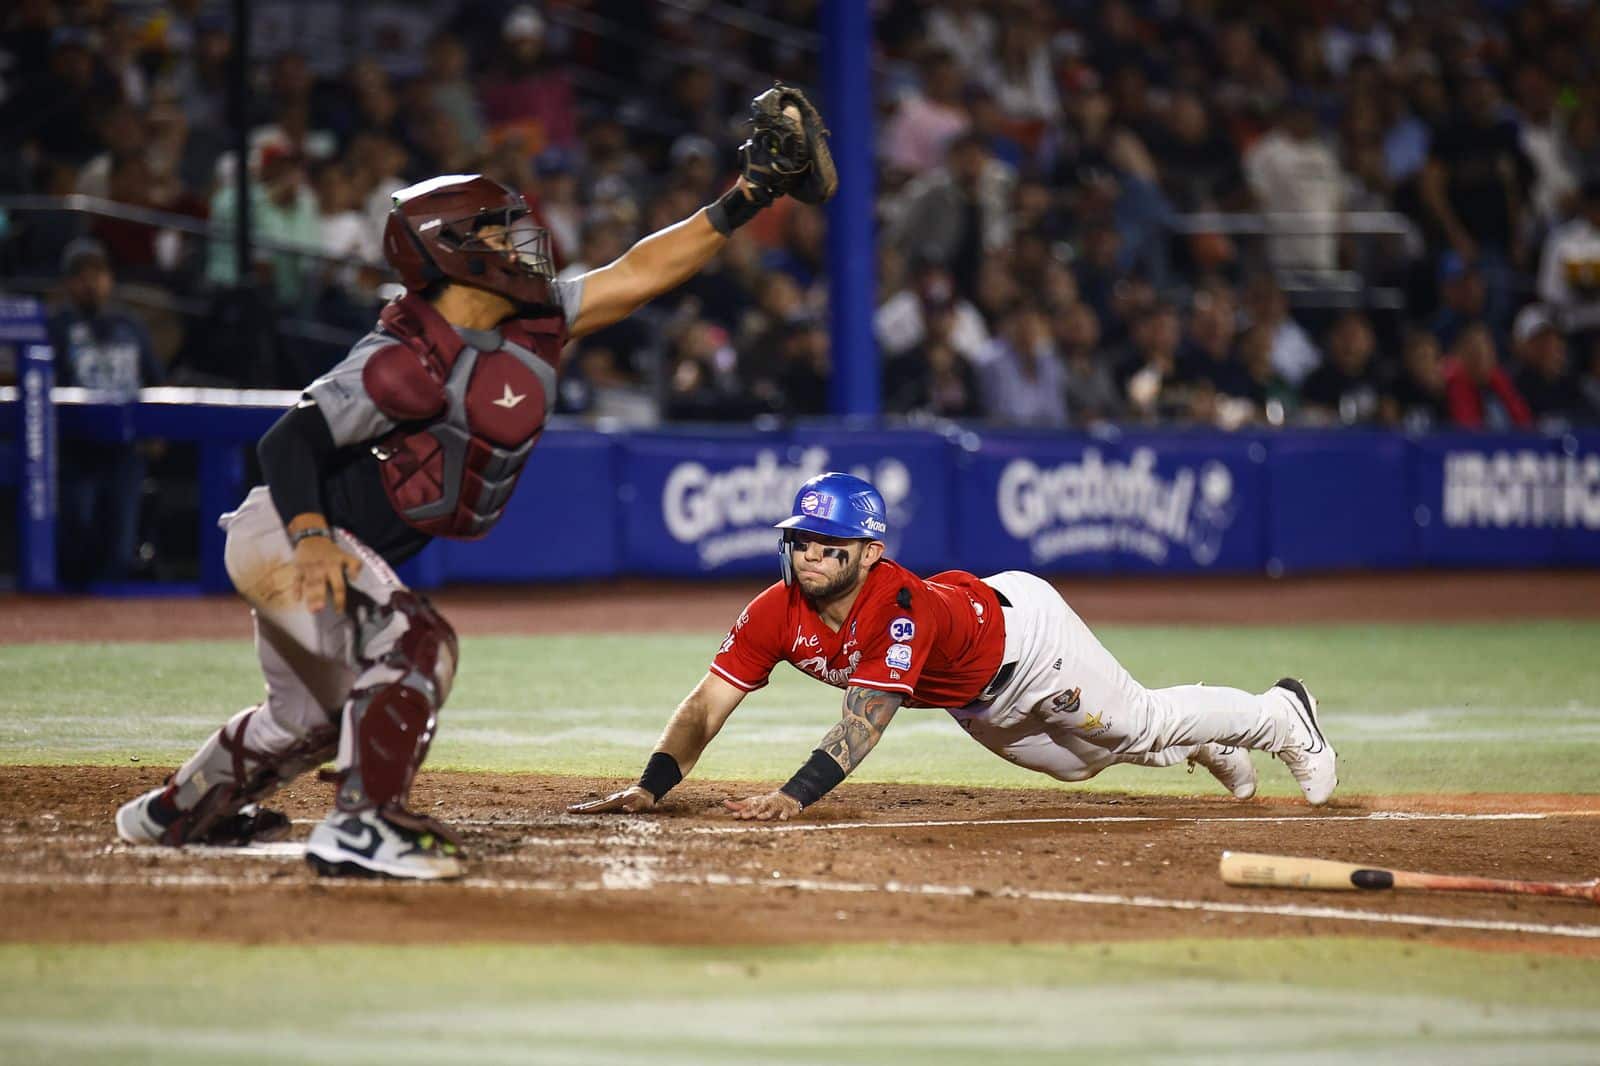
1309 756
136 821
366 844
1229 765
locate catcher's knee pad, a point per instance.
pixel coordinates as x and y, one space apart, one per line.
391 722
228 774
407 636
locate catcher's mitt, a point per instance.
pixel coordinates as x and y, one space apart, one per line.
787 153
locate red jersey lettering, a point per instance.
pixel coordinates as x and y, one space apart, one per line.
938 641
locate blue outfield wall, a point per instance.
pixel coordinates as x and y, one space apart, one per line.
701 502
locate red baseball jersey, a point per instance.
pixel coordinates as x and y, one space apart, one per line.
939 641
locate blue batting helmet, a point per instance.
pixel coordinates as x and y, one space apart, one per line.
833 505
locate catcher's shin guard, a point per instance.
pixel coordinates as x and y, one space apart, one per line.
391 716
227 775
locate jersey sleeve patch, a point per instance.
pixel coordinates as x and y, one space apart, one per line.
341 395
896 643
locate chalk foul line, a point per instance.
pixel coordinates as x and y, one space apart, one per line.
642 879
1108 819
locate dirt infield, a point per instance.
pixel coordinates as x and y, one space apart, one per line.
875 862
899 863
661 606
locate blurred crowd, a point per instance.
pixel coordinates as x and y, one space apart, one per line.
1058 184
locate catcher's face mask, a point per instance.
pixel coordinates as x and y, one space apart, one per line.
525 246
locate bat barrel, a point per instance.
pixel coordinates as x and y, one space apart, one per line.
1288 871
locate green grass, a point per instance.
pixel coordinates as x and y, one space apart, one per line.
1336 1001
1457 708
1449 708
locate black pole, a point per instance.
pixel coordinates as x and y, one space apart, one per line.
239 108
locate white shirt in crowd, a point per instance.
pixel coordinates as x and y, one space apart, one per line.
967 35
1290 176
1293 354
1569 274
900 327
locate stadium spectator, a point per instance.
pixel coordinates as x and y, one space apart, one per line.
1345 389
1292 351
1478 392
900 322
703 384
1541 376
1474 185
98 347
1272 397
1022 379
284 211
1292 171
1542 133
1415 398
964 30
1017 136
198 75
804 369
1463 296
1207 352
1019 75
1200 168
1149 374
1569 273
447 89
955 214
933 378
1092 393
1589 390
927 119
528 91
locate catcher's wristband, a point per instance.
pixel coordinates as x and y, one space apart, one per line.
818 777
732 210
661 773
306 534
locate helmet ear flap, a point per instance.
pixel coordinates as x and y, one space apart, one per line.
785 560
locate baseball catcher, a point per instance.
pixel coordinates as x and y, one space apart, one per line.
1004 655
420 432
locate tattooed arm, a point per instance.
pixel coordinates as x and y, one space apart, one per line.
867 712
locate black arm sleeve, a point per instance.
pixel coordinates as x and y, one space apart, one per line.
293 454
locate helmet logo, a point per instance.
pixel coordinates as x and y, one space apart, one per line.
816 504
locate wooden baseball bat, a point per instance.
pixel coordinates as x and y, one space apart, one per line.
1287 871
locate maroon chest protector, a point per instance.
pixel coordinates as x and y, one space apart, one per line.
468 419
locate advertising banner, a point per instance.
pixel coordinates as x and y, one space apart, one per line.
1506 500
1340 499
1174 502
705 505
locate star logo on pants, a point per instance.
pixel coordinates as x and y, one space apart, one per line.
1092 721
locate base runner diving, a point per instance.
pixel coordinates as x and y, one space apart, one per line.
421 431
1004 655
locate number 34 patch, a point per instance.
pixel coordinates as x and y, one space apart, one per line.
902 629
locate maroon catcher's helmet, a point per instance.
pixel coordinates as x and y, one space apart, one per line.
435 234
